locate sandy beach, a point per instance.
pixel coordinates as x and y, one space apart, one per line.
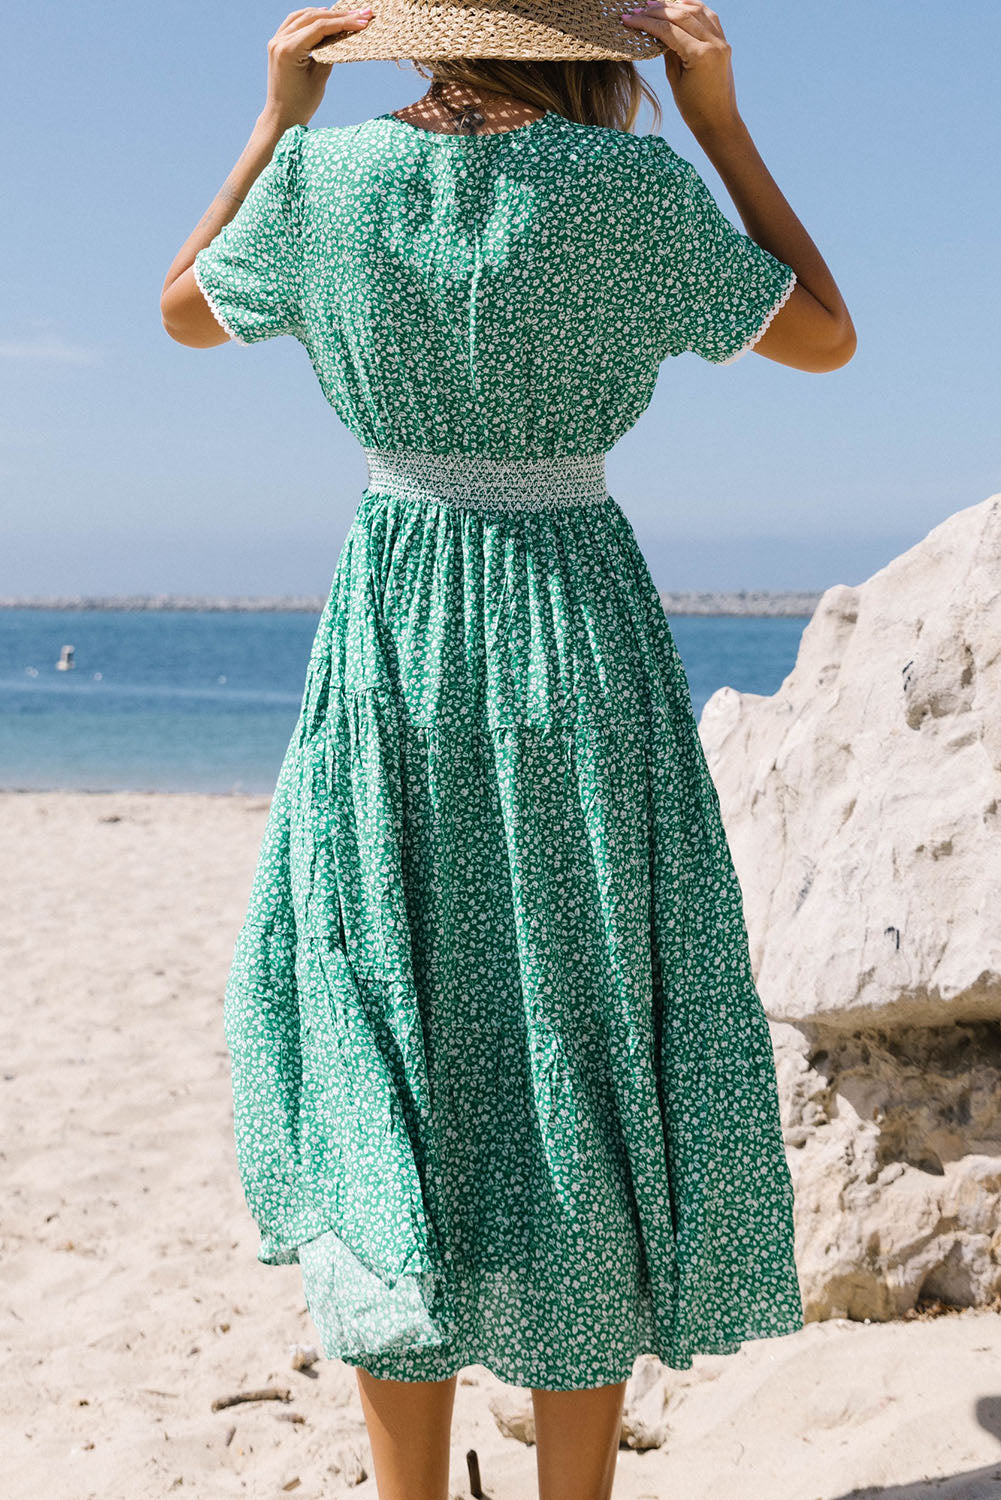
132 1297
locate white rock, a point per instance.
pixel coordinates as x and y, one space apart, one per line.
643 1411
895 1153
647 1393
514 1413
863 801
861 804
303 1356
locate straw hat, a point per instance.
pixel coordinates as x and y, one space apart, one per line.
527 29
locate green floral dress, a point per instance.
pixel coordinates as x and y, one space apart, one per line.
503 1085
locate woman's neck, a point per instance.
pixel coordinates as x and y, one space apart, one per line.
447 104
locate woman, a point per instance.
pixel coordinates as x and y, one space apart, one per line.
503 1084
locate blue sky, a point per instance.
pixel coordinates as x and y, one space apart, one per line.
129 463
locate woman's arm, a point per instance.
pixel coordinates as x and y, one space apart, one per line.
814 330
185 313
295 89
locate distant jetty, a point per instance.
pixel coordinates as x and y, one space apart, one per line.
743 602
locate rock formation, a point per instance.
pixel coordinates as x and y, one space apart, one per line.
862 803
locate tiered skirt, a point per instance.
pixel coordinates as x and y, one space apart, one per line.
503 1084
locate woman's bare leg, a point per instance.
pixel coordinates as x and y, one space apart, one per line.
577 1441
409 1430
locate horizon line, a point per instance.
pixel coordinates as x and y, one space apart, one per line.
772 602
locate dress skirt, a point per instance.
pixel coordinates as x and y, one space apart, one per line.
503 1084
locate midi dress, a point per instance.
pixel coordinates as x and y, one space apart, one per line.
503 1085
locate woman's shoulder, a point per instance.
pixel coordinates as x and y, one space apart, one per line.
333 135
315 144
654 155
646 162
600 142
610 138
640 173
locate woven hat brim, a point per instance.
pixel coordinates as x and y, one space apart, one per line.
534 30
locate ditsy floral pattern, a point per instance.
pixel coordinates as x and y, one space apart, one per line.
503 1085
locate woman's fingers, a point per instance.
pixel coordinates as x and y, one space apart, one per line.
316 25
299 21
674 37
683 26
677 17
295 16
331 22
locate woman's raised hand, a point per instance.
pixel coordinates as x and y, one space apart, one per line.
698 62
295 82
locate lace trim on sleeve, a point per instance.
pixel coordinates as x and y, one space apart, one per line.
779 305
214 307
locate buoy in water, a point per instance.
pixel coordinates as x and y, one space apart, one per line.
66 662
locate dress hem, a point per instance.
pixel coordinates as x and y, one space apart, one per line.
524 1379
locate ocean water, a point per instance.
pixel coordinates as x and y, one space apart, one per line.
180 701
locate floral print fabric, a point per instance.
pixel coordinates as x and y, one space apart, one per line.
503 1085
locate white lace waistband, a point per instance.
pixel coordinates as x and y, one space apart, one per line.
488 483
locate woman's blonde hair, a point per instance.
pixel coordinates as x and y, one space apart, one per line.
601 92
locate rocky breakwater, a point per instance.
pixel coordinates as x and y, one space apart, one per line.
863 807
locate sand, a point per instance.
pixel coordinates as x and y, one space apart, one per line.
132 1296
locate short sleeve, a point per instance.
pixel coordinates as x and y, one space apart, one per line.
718 288
250 274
